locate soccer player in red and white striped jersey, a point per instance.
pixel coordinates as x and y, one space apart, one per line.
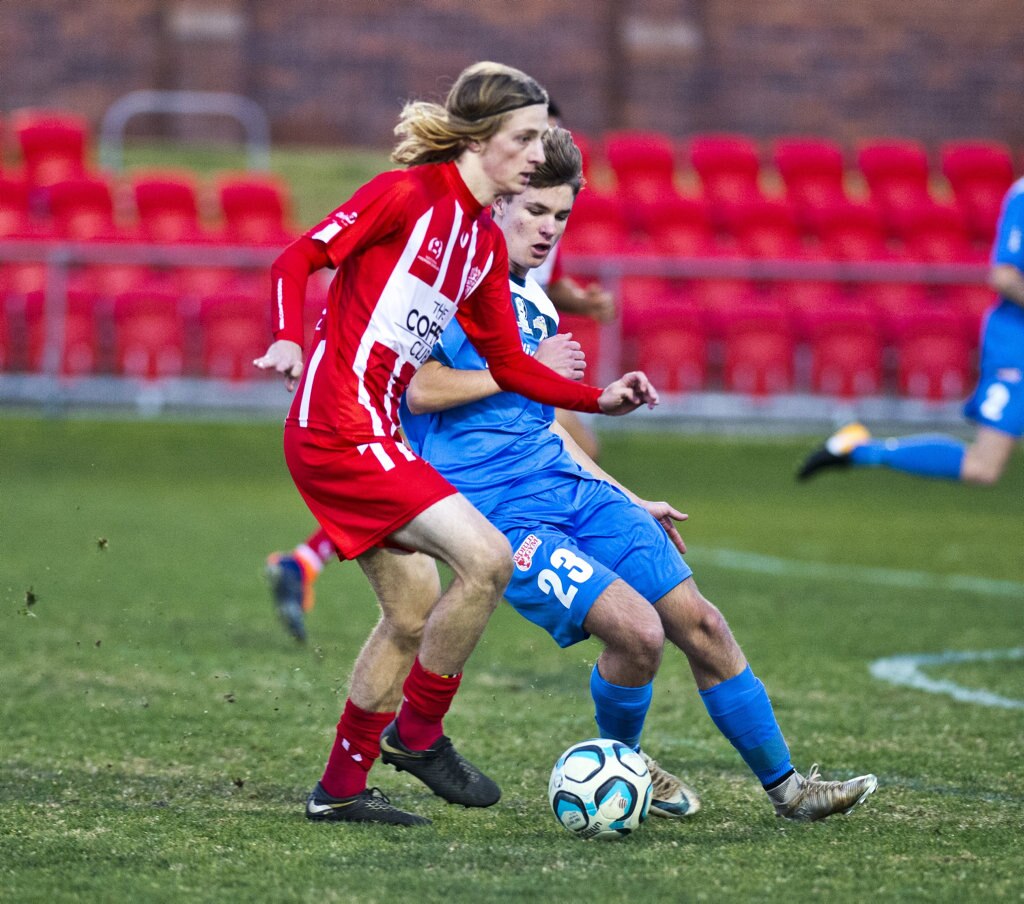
412 249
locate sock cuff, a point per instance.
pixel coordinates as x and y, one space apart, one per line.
621 693
311 563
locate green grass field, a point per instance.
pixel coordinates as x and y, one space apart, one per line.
160 731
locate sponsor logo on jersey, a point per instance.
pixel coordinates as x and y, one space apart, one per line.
474 277
523 557
336 223
432 254
426 326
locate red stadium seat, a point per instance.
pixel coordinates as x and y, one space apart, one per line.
934 357
680 227
256 209
721 297
81 347
759 351
893 301
937 233
853 231
235 329
643 164
979 172
807 300
813 171
167 205
767 228
729 170
846 352
149 334
598 226
588 333
14 207
53 145
673 349
897 174
83 209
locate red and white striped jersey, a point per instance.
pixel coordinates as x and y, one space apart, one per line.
412 248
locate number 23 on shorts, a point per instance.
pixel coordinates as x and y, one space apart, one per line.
571 571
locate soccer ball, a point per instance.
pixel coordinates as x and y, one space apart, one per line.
600 789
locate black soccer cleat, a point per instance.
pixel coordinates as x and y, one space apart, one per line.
441 768
371 805
835 451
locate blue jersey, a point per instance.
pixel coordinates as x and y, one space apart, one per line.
491 448
998 400
571 533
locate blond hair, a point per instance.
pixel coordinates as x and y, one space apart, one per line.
475 109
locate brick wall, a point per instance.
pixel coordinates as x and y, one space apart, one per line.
338 72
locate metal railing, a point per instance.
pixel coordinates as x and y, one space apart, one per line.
247 112
52 390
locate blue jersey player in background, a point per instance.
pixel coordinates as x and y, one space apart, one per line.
997 404
590 557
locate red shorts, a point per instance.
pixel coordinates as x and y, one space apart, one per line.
360 493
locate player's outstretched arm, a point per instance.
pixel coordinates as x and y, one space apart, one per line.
285 357
627 394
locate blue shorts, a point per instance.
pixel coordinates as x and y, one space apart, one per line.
998 399
571 542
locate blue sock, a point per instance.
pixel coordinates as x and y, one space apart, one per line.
620 711
741 710
927 455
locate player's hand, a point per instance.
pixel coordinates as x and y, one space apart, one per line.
666 516
600 303
627 394
285 357
563 354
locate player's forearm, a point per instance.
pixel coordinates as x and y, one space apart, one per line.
1008 282
288 276
568 296
435 387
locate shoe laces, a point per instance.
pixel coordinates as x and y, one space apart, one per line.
377 798
664 784
454 763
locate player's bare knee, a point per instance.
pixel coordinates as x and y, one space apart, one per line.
981 473
406 629
489 567
641 642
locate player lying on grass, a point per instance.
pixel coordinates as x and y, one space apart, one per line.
591 558
997 404
413 249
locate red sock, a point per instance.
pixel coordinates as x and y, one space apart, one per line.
426 699
321 545
356 746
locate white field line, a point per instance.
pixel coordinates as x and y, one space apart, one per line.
900 670
864 574
906 672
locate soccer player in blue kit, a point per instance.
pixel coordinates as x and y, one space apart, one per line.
590 557
997 404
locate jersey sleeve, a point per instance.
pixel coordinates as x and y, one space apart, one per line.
490 324
375 212
1009 244
370 215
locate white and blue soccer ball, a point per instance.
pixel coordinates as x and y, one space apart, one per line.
600 789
